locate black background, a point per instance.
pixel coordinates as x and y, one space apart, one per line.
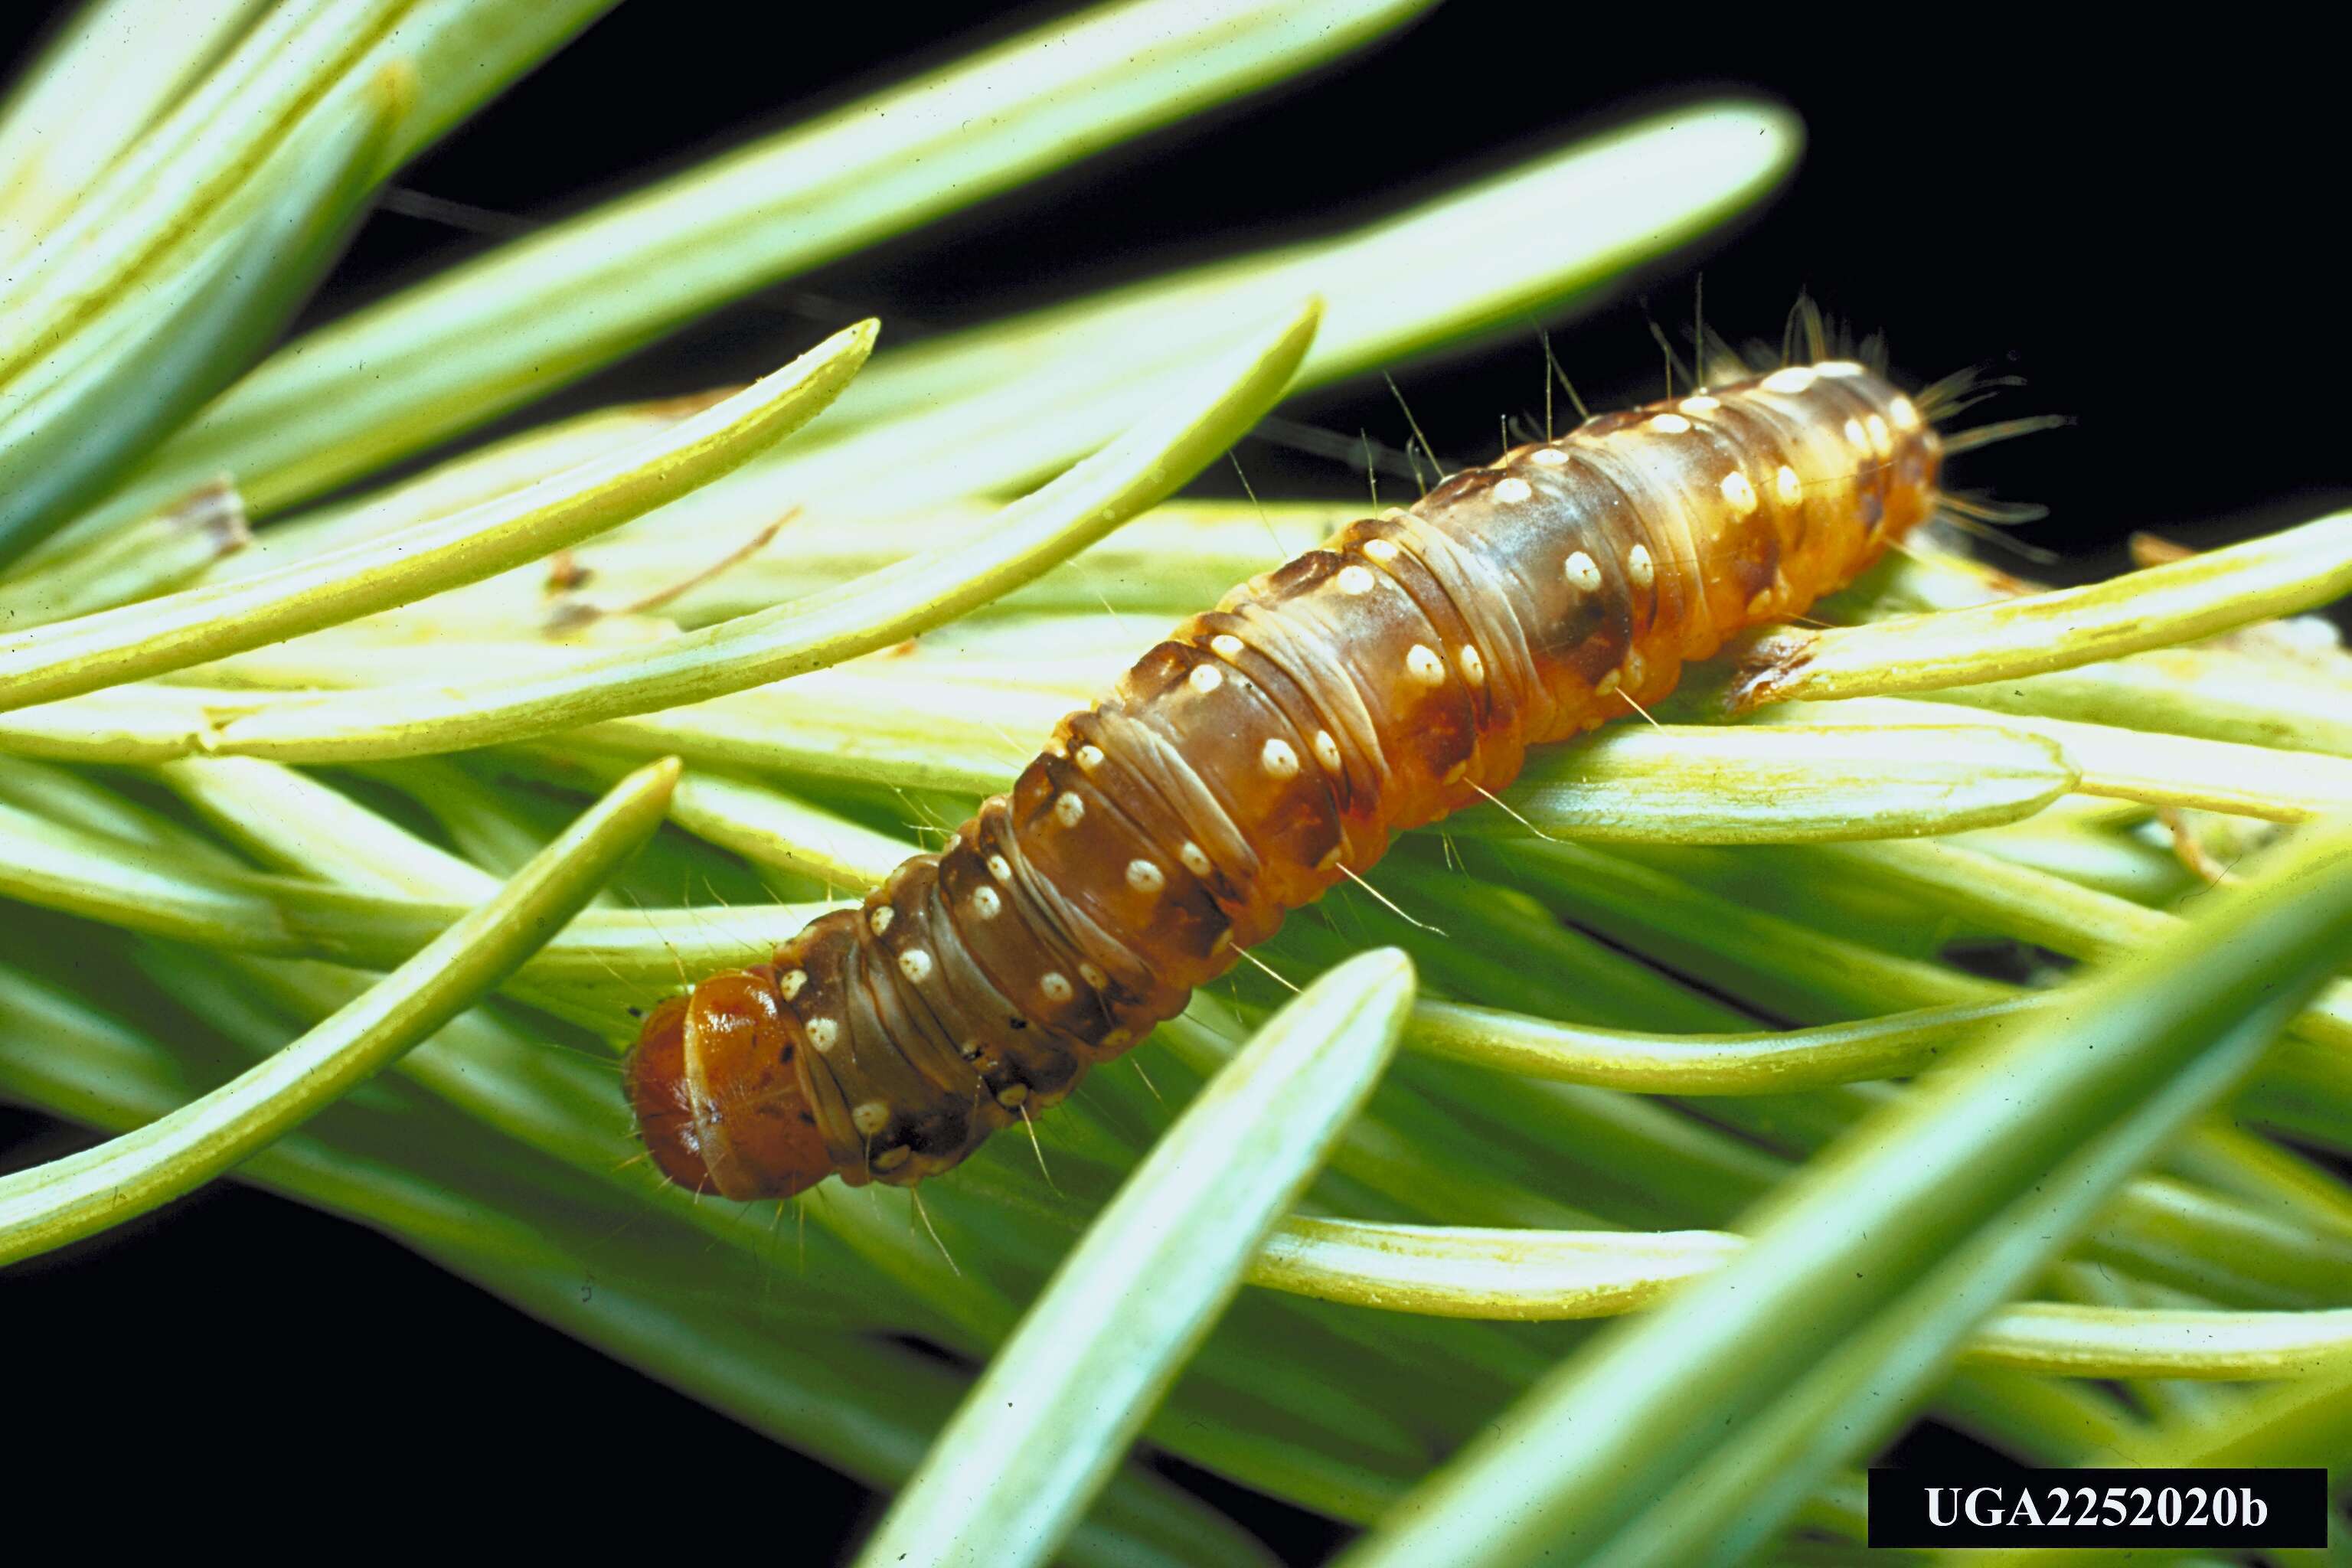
2138 223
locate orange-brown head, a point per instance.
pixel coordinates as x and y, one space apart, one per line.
717 1091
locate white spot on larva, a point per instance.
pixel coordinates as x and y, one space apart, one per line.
1791 489
1420 662
1854 436
880 918
790 981
1331 858
985 903
1054 747
1906 413
1761 603
824 1032
1513 490
870 1117
1093 976
1144 876
1882 439
1550 457
1473 669
1354 580
1608 683
1090 758
968 1049
1327 751
1224 644
1068 809
1278 758
1839 367
1055 986
1583 570
1639 566
1739 493
1701 404
1669 424
1011 1095
1000 867
915 965
1637 670
1380 550
1790 378
1194 860
1205 679
890 1159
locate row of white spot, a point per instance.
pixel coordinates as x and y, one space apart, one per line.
1798 378
1280 760
1870 434
1421 662
916 965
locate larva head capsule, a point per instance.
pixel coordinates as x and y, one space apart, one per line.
718 1094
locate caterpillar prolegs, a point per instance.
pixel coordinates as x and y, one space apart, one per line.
1263 752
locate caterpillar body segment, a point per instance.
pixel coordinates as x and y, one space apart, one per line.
1266 750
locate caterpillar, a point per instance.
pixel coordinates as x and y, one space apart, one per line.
1266 750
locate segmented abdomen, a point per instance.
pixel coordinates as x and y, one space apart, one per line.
1264 750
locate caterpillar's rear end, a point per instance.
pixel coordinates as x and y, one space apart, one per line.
1264 751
